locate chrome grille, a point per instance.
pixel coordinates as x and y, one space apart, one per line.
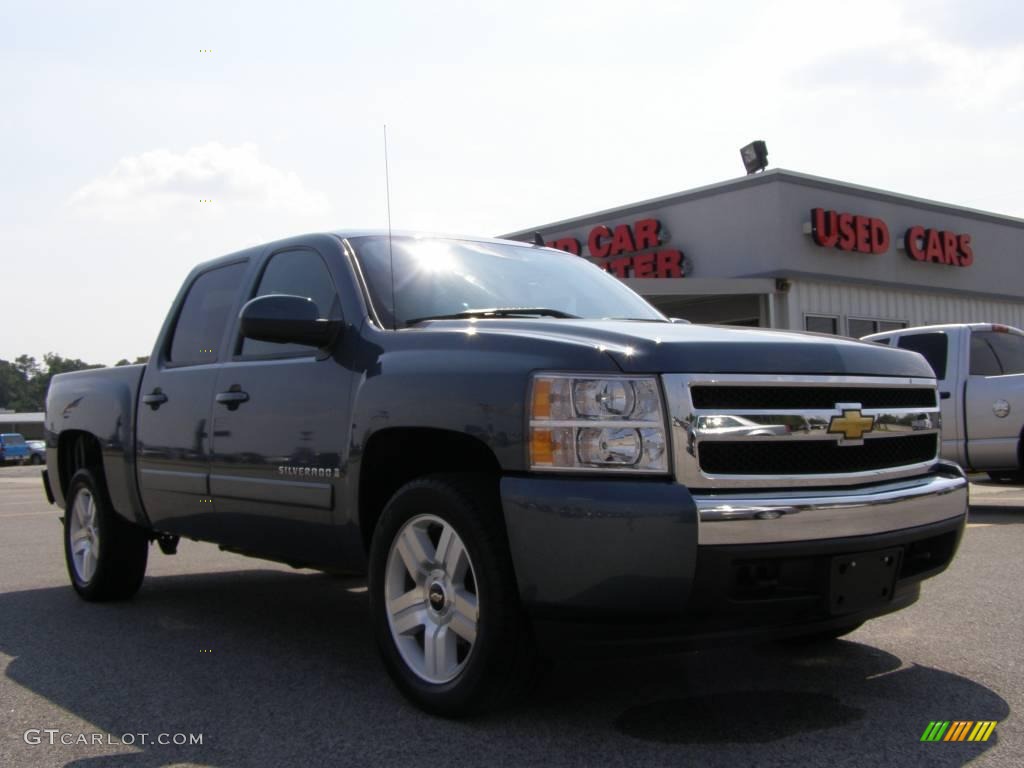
814 457
720 397
735 431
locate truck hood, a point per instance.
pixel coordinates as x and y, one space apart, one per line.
652 347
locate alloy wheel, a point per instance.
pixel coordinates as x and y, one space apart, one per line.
430 593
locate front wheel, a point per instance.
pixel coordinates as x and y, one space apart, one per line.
444 601
106 555
35 460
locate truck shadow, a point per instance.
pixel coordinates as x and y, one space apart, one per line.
995 515
272 666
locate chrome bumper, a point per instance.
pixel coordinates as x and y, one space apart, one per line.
767 517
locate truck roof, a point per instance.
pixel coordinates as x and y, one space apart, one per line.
347 233
947 327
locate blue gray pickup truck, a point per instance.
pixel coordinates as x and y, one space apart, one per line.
516 449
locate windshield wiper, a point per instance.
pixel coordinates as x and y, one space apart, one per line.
497 312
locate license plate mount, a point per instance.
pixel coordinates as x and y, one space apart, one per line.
863 579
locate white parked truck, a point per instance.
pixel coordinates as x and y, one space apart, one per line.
980 370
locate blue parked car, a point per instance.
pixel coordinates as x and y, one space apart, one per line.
14 449
37 451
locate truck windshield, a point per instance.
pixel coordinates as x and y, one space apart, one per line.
436 277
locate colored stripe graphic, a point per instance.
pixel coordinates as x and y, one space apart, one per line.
983 730
935 730
959 730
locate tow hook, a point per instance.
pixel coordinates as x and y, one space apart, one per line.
168 544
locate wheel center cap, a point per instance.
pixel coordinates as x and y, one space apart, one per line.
436 596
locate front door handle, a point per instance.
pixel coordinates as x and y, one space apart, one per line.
154 399
945 395
232 398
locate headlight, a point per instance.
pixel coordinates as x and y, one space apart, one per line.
588 423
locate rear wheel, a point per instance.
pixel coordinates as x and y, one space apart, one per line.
446 610
105 554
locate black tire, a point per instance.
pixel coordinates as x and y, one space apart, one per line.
501 663
827 636
122 551
35 460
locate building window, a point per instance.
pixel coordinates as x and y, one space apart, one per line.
822 324
860 327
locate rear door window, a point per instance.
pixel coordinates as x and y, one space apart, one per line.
204 315
934 347
983 358
1006 348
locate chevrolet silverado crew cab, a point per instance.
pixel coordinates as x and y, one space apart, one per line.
980 372
517 450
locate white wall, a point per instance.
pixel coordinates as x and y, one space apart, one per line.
912 307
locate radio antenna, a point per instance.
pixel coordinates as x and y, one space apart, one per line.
391 256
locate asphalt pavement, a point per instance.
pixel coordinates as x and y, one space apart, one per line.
275 667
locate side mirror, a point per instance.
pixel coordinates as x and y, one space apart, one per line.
287 319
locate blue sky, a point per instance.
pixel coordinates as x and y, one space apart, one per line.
500 116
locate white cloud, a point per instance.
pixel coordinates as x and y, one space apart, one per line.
161 183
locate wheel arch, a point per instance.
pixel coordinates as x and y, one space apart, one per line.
395 456
77 449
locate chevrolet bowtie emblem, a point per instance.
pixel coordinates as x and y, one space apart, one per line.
852 425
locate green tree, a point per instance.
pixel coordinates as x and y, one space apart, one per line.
12 384
24 382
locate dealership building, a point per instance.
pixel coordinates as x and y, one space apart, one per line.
786 250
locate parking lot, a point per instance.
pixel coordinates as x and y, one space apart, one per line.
276 667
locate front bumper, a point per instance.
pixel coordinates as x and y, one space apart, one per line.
633 555
760 518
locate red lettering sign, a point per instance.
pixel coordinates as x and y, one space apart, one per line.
622 240
569 244
848 232
596 242
966 252
912 241
628 250
646 233
657 264
879 236
938 247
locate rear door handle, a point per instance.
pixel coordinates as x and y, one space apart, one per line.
945 395
232 398
154 399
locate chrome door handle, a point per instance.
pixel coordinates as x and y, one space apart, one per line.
232 398
154 399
